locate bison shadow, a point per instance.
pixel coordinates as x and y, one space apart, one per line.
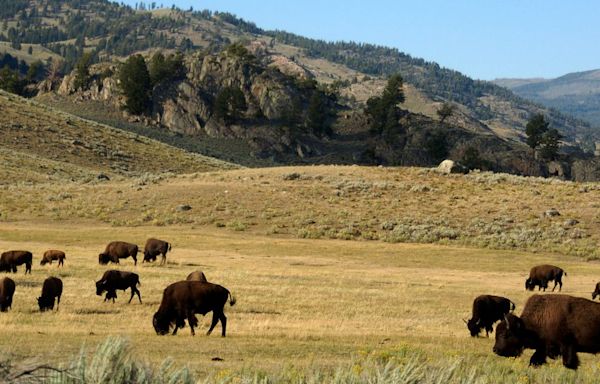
96 311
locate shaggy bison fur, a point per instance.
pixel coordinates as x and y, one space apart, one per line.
182 300
552 325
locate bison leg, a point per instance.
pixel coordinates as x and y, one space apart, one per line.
539 357
163 261
569 356
223 323
135 291
61 262
192 321
57 302
215 320
28 268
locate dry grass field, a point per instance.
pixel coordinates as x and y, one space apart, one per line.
310 302
301 303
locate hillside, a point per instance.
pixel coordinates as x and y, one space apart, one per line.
577 94
38 143
283 73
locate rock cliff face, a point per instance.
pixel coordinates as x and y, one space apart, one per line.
275 89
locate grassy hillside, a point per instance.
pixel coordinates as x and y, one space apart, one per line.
38 143
326 202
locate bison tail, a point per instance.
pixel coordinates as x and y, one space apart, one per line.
232 299
169 247
565 273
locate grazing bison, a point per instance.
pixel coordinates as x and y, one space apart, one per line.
52 255
9 261
7 290
487 309
52 289
553 325
596 291
113 280
155 247
182 300
540 276
118 250
197 276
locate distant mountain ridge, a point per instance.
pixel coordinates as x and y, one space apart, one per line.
576 93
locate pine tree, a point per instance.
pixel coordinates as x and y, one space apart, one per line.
82 71
378 107
535 129
317 114
135 84
229 105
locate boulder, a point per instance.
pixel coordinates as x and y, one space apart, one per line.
450 166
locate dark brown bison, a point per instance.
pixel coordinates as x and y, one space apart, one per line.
9 261
540 276
118 250
51 290
487 309
596 291
7 290
52 255
553 325
155 247
197 276
113 280
182 300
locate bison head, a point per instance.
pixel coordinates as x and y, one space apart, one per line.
161 323
43 262
45 303
473 327
100 287
103 258
510 337
529 284
595 293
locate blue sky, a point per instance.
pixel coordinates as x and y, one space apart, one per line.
484 39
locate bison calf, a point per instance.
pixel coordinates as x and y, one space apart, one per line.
182 300
487 309
197 276
155 247
118 250
540 276
51 290
552 325
7 290
51 255
113 280
9 261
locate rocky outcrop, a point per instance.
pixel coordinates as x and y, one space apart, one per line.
450 166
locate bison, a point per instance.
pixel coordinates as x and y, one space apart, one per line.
7 290
487 309
51 290
9 261
118 250
155 247
52 255
596 291
540 276
113 280
182 300
197 276
552 325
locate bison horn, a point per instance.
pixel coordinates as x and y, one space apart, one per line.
507 322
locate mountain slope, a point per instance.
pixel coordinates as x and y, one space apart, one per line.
38 143
576 93
350 72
